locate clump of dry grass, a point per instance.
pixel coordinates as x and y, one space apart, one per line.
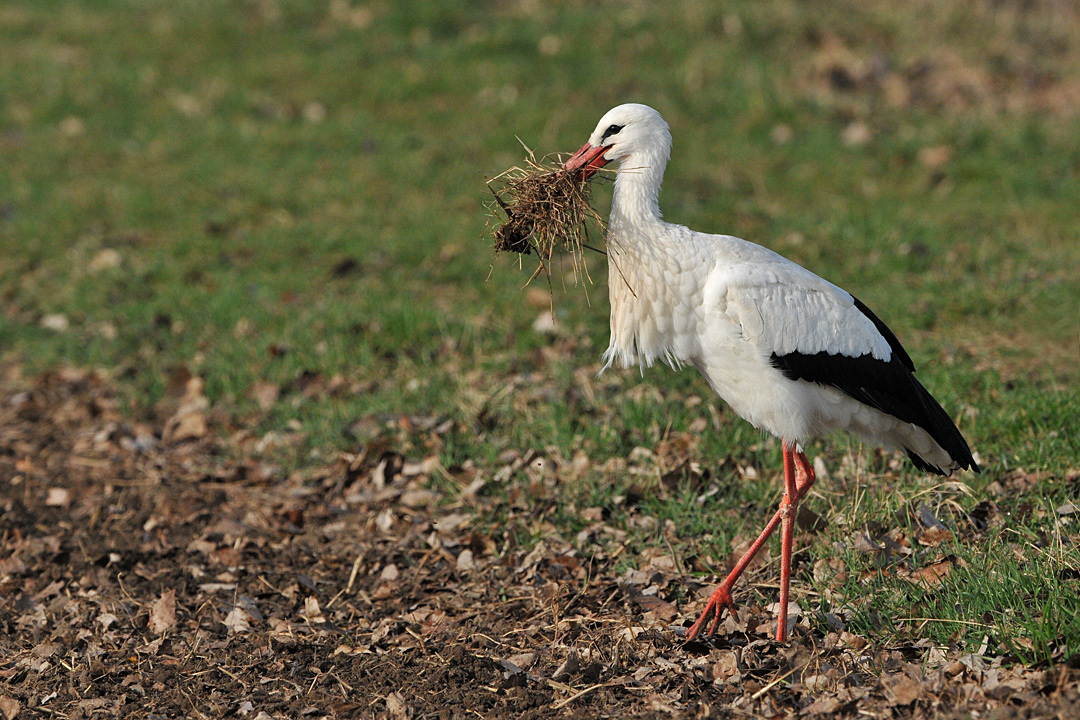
541 208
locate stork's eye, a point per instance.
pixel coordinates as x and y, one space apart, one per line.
612 130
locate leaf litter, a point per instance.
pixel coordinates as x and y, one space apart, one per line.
177 580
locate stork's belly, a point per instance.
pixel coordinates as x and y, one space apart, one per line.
797 410
794 410
760 394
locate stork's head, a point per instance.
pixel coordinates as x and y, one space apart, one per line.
626 131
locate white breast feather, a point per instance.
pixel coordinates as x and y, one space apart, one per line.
656 308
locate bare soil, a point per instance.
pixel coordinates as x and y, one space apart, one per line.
163 568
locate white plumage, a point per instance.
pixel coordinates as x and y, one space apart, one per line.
790 352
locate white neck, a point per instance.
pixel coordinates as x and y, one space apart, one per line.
643 272
636 200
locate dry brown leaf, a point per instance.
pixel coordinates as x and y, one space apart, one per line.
823 706
932 537
57 322
227 556
523 660
568 668
660 561
537 299
662 609
545 324
896 91
853 641
163 612
185 426
593 514
105 259
857 134
9 707
45 650
188 422
450 523
831 572
931 575
900 689
727 667
238 620
265 394
396 707
58 497
420 497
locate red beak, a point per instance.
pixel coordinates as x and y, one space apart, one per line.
589 159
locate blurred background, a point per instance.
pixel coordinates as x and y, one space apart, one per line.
287 200
292 193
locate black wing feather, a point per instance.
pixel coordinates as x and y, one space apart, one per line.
889 386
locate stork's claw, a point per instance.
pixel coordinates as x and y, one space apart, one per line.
714 610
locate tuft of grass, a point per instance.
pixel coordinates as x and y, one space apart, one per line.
1009 593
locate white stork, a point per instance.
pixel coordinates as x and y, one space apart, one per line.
790 352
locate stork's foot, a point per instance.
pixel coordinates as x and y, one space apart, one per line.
714 610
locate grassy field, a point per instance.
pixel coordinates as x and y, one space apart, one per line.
287 200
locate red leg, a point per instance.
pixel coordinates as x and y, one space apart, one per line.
721 597
787 537
789 506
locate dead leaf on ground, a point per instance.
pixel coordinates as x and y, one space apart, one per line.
932 537
163 612
265 394
568 668
238 621
312 612
396 707
931 575
9 707
900 689
657 606
726 667
58 497
189 421
935 157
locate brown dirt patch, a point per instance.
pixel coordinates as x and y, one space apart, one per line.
166 570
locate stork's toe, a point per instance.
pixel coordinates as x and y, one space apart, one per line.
714 610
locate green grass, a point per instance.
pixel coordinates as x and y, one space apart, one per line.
1012 590
234 154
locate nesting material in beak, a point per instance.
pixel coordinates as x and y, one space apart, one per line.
546 206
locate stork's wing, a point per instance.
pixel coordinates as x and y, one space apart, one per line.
814 331
789 310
